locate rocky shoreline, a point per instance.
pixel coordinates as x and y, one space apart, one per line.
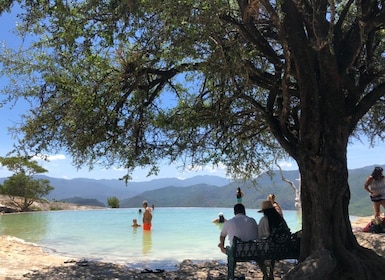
7 207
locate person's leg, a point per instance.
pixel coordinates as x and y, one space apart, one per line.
263 268
383 205
376 208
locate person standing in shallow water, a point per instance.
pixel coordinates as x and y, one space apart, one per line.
375 186
147 216
239 195
220 220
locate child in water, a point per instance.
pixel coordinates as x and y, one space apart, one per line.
135 223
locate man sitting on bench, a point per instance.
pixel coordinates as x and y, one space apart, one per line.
242 226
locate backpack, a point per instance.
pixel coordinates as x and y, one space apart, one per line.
373 228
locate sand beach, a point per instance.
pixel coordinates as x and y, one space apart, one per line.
20 260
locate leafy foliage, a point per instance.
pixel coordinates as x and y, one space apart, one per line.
223 82
239 83
21 188
113 202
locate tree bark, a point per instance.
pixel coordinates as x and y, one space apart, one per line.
327 239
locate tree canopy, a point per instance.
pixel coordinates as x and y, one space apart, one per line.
21 187
239 83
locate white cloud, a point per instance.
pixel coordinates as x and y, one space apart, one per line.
120 169
50 157
56 157
211 169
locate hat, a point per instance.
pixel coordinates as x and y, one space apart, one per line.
266 205
220 214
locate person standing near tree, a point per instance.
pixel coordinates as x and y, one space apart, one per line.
375 186
147 216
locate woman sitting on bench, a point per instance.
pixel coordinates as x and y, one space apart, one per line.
271 221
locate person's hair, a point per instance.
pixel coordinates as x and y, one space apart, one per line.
239 208
221 219
239 192
377 173
274 218
271 197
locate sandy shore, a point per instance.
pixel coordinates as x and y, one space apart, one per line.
20 260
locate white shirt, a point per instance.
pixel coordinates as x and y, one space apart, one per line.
263 227
378 187
241 226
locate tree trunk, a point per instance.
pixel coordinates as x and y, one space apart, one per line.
328 241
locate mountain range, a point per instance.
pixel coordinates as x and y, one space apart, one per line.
198 191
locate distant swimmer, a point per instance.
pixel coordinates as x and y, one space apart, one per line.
221 219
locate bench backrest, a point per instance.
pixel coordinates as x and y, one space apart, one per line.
265 249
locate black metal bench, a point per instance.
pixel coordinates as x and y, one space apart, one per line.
273 248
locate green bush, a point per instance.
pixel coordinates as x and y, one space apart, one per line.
113 202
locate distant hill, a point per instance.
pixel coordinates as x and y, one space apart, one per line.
211 196
204 195
199 191
83 201
102 189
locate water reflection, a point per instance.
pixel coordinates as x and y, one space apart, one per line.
147 242
219 225
134 232
27 226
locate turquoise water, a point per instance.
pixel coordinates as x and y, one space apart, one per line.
106 235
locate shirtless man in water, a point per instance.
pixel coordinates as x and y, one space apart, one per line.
147 216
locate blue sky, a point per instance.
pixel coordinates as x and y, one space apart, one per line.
59 166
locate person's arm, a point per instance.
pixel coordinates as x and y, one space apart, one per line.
221 244
367 184
263 228
148 210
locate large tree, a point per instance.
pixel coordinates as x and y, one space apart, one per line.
22 189
239 83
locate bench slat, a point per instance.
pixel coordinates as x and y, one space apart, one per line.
260 251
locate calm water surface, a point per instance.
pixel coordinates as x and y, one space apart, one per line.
106 235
